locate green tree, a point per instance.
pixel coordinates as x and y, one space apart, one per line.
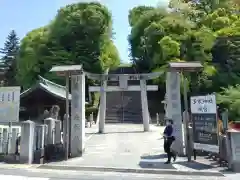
82 29
191 28
81 33
33 57
147 33
137 12
230 98
10 58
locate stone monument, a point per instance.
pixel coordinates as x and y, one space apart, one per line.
173 109
77 115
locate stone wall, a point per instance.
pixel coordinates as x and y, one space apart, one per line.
29 142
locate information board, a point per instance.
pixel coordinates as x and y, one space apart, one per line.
204 118
9 104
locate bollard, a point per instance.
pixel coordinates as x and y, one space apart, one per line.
50 122
91 119
157 118
57 132
41 143
27 142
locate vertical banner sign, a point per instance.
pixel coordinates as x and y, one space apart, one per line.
9 104
204 117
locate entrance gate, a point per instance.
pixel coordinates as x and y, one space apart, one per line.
121 100
123 107
78 96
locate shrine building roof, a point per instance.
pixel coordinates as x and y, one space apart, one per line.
48 86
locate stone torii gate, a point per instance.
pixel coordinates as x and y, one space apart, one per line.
173 100
123 86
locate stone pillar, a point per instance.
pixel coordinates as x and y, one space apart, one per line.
35 140
15 133
45 134
168 110
42 129
144 101
40 132
91 119
77 115
185 114
9 139
65 131
174 111
102 114
27 142
233 155
57 132
5 139
50 122
1 140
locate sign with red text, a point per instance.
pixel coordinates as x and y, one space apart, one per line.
203 104
204 118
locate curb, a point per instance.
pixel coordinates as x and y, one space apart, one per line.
130 170
18 166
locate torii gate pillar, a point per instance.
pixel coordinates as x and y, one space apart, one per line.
123 86
144 101
102 107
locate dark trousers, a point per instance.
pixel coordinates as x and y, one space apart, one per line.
167 148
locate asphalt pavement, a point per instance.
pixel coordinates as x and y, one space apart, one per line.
121 147
39 174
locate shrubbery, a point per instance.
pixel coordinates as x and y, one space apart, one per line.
229 98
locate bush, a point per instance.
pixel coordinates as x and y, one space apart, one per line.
230 98
90 110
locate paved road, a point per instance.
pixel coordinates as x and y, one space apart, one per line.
36 174
127 146
120 144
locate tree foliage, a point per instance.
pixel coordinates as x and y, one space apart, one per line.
190 31
229 98
202 30
80 33
9 58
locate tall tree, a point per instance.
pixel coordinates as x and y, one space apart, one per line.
81 33
10 56
187 32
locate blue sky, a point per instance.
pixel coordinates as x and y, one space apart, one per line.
25 15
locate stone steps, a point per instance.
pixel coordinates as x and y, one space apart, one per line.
123 106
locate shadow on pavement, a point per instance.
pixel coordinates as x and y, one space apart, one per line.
149 161
227 171
155 165
156 156
118 132
196 165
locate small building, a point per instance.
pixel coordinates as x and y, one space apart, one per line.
40 97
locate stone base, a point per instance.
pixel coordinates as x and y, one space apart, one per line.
80 153
25 160
54 152
39 156
11 159
235 167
